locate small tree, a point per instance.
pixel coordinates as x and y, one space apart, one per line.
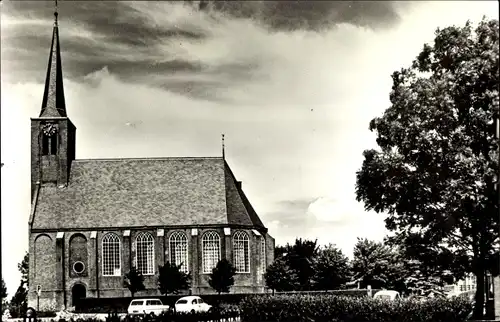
18 303
332 268
171 279
222 276
4 296
280 277
134 281
24 269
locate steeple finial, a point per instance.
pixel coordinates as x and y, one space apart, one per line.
53 103
223 147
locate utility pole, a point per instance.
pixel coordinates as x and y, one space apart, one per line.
496 282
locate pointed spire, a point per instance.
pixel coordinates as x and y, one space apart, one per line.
223 148
53 104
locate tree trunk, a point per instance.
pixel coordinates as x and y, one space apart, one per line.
479 270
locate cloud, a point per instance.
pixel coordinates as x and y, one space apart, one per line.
310 15
174 46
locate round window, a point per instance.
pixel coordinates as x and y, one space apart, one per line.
78 267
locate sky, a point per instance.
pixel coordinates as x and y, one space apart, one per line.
292 85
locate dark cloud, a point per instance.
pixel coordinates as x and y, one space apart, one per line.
124 38
310 15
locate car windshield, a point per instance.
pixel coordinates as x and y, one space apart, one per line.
181 301
135 303
384 297
200 301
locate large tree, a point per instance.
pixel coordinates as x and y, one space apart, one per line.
332 268
434 173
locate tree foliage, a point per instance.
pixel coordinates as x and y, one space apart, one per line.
280 277
375 264
222 276
332 268
171 279
134 281
435 171
301 257
19 302
4 289
4 295
24 269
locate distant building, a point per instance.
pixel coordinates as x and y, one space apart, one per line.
468 283
92 220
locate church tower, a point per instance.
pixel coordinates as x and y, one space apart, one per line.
53 135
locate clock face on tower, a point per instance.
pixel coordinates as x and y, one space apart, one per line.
49 129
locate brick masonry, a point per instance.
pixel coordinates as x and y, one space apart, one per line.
51 265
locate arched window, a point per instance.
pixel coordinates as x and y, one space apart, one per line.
179 250
145 253
49 144
241 252
211 251
111 264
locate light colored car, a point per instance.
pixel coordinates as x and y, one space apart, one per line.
147 306
191 304
387 295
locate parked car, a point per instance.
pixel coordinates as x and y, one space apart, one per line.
147 306
191 304
387 295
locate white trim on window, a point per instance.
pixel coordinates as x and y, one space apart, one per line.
179 250
111 255
145 253
211 251
241 252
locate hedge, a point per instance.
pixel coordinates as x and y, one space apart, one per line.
120 304
324 307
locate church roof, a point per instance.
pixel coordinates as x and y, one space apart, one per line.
129 193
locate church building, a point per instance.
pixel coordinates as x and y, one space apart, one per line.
91 221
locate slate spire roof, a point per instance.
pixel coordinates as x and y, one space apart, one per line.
53 104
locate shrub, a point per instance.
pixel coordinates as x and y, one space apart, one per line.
325 307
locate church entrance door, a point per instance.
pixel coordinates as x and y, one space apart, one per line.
78 292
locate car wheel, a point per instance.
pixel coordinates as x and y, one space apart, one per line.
193 312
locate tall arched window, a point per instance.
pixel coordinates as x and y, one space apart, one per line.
179 250
241 252
211 251
111 264
145 253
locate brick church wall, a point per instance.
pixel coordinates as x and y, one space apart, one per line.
51 265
